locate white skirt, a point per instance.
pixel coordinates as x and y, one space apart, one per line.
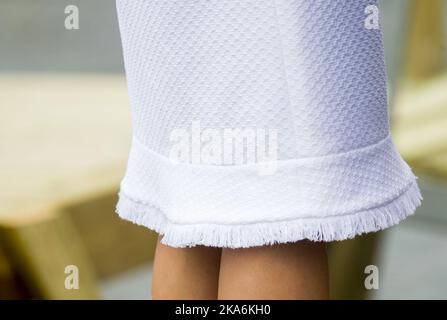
259 122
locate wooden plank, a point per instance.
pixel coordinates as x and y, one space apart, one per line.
424 54
424 141
114 245
74 138
420 120
435 165
10 285
41 251
420 104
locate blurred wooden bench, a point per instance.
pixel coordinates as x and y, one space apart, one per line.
64 145
420 105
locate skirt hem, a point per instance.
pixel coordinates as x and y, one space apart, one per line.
326 229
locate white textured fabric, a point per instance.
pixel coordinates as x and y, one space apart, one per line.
304 83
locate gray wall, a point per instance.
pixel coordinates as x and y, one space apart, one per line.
33 36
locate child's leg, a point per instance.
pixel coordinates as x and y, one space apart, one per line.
185 273
287 271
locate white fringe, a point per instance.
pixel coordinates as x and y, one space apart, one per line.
326 229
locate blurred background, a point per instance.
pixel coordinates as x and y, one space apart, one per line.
65 133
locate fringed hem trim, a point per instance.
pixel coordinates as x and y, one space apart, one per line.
333 228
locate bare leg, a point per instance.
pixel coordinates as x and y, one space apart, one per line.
287 271
185 273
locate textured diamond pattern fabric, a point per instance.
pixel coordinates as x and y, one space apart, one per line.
308 69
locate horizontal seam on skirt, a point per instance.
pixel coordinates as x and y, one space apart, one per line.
283 162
